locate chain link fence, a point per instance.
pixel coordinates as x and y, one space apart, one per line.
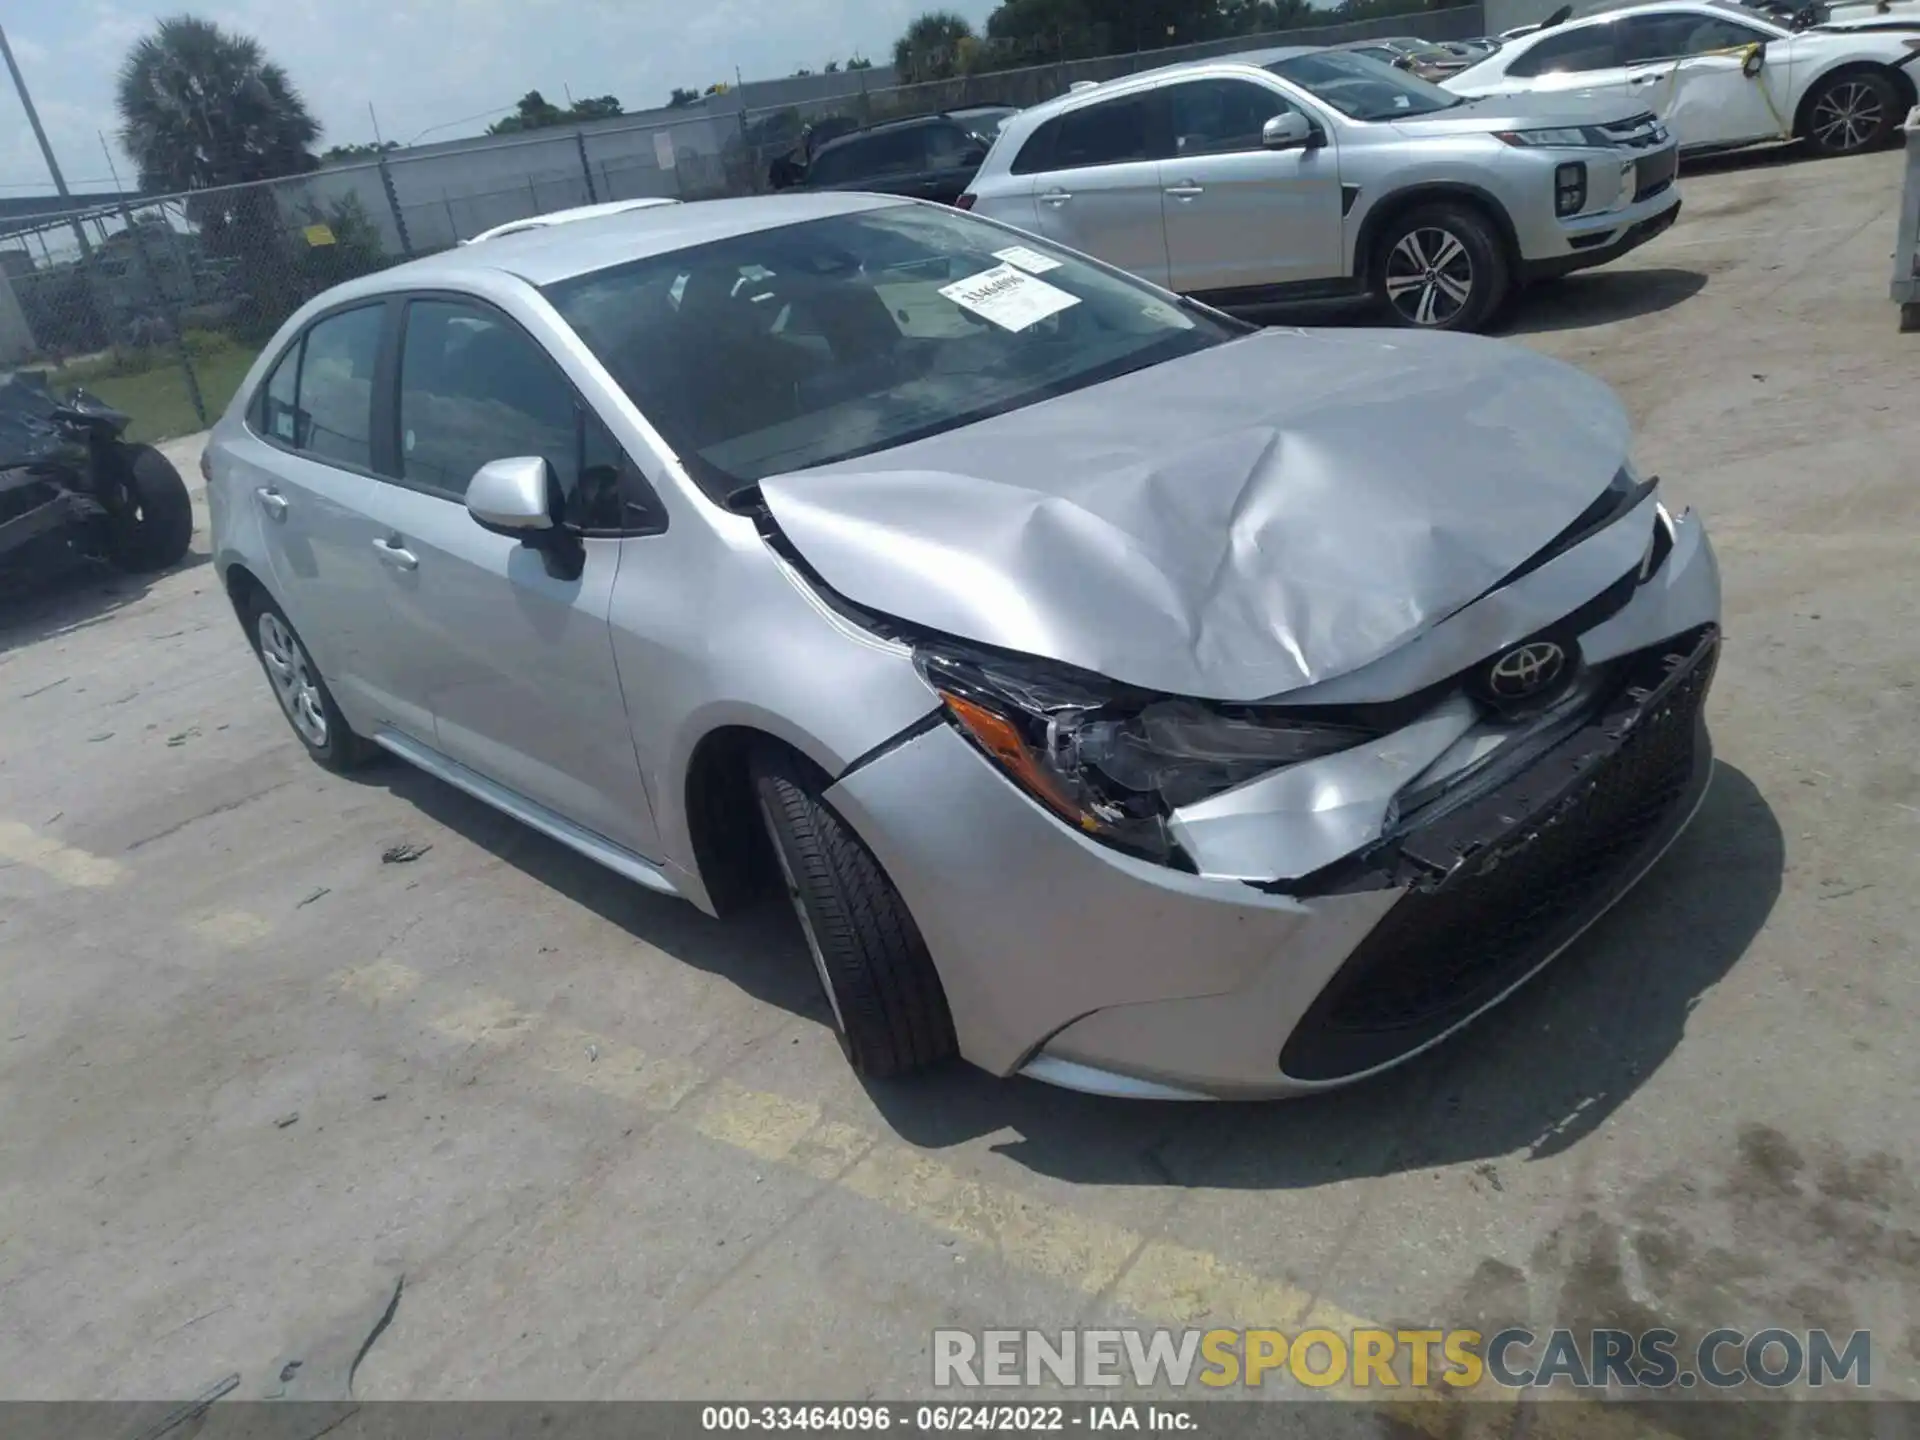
159 305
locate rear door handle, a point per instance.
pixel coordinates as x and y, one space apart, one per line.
271 501
1186 190
393 552
1056 197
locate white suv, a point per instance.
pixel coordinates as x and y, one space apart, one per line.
1307 173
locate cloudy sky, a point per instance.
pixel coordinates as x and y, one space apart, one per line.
422 63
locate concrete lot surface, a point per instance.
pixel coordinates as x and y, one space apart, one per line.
254 1081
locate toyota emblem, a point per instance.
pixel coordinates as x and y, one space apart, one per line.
1526 670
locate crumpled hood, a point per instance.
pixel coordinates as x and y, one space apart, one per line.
1263 515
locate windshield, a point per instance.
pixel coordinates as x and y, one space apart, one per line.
1772 21
803 345
1361 88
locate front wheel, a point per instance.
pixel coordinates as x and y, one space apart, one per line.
1851 112
154 523
1441 267
889 1009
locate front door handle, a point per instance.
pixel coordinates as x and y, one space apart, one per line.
1056 197
271 501
1186 190
393 552
1644 79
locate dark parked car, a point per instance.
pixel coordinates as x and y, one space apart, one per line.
790 169
983 122
68 478
932 157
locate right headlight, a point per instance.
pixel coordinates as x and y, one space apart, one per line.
1553 136
1112 762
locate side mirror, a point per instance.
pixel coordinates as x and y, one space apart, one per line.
1755 61
521 498
513 497
1288 130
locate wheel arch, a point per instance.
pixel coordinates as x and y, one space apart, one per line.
1900 77
241 585
1430 192
727 850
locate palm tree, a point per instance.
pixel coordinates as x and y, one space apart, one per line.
202 107
931 48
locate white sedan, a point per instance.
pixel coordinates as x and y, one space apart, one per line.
1721 75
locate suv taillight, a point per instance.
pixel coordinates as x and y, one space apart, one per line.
965 202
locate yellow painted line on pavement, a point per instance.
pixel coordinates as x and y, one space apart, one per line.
379 982
22 845
232 929
1164 1282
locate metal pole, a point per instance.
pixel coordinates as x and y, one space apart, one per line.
586 169
40 134
393 204
92 279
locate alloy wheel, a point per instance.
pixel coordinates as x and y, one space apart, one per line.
1429 276
1847 116
291 675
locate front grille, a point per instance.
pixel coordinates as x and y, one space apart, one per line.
1641 132
1442 952
1655 173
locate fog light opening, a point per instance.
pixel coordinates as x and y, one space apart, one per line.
1569 188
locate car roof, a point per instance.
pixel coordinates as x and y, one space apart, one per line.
883 128
1121 84
560 252
572 216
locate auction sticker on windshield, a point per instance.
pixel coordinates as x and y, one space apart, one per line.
1009 298
1031 261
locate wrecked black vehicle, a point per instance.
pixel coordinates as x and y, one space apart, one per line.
69 479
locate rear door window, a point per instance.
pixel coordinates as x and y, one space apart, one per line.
319 398
947 147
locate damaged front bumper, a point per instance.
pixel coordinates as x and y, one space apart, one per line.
1079 965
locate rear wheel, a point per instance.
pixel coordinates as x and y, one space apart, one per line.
303 695
1441 267
889 1009
153 527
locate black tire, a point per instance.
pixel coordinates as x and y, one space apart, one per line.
888 1007
1851 112
154 527
1419 252
336 747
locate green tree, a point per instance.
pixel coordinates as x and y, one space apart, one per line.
681 96
535 112
859 62
358 152
202 107
930 49
600 107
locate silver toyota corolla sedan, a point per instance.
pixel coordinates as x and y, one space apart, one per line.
1133 699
